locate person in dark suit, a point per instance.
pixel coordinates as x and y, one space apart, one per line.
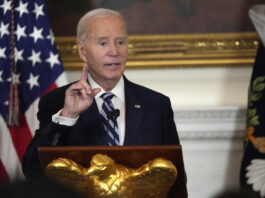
103 107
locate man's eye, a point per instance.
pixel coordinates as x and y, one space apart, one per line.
120 42
103 43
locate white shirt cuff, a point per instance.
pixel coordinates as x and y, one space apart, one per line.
56 118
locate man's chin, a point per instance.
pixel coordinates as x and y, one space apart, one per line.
114 74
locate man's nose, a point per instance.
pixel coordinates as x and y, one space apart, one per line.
113 49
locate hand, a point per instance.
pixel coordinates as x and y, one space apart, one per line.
79 96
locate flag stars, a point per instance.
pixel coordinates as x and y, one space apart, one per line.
4 29
20 32
35 57
22 8
51 37
2 52
36 34
33 81
6 6
1 79
38 10
18 55
53 59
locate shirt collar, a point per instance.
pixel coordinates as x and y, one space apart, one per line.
118 90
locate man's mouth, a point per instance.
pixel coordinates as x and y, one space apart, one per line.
113 64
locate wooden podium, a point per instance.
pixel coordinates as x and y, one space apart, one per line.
130 156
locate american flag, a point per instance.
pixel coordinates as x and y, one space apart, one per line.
39 69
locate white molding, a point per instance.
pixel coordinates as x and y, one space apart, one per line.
210 123
212 143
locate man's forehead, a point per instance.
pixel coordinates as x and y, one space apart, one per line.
107 37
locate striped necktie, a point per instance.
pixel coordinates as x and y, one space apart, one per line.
110 122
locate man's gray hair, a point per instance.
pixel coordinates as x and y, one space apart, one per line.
94 14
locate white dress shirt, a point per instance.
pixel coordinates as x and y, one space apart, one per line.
118 101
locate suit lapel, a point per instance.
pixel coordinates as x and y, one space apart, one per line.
134 114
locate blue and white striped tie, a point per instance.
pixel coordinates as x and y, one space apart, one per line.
110 124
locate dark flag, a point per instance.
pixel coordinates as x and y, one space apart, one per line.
253 165
30 61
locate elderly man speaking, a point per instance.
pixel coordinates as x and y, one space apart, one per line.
103 107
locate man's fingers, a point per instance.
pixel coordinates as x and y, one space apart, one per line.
79 86
73 88
95 91
86 86
84 72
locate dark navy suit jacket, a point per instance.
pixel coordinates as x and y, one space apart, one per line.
151 124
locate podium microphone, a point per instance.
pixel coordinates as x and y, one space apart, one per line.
113 114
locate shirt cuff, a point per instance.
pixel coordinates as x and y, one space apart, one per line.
56 118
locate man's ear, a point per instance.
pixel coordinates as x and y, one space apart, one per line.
81 51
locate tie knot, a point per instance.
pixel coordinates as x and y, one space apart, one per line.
107 96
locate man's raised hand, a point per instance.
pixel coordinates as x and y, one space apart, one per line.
79 96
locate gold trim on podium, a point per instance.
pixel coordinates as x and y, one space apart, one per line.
178 50
104 178
133 157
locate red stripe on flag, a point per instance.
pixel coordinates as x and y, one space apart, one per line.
53 86
21 137
3 174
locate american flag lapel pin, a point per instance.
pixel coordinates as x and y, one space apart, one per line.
137 106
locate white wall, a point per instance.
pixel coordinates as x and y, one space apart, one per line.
209 107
